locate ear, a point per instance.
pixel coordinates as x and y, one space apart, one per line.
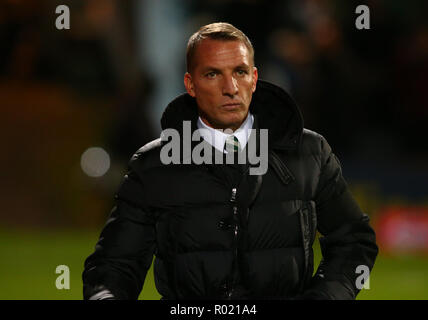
255 77
188 83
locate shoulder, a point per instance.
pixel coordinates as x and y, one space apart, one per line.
147 156
314 144
149 148
313 141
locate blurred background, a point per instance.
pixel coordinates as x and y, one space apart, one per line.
77 103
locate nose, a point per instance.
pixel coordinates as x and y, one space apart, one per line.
230 86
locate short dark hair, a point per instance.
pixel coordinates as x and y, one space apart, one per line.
216 31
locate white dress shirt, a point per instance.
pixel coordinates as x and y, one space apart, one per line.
217 138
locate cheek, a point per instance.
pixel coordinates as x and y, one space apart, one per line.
250 88
208 95
207 102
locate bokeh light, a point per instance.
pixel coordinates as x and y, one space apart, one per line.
95 162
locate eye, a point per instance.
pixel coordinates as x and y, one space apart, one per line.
241 72
211 74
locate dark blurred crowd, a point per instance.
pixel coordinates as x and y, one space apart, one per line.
364 90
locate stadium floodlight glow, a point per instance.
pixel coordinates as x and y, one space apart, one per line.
95 162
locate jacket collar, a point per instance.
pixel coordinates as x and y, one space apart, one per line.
274 108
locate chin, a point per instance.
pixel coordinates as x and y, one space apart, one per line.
229 120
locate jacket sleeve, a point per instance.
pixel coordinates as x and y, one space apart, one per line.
347 240
124 252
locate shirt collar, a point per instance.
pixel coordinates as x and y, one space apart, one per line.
219 137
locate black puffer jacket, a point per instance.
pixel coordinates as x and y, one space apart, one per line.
214 239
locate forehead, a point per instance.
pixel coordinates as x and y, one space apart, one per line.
221 54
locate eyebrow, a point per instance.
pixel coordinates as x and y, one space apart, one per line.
243 65
210 69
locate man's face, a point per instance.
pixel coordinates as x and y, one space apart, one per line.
222 81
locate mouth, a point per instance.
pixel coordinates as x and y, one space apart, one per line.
232 105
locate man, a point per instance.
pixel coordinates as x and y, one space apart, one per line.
217 231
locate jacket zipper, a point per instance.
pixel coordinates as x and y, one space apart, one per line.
236 230
236 234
